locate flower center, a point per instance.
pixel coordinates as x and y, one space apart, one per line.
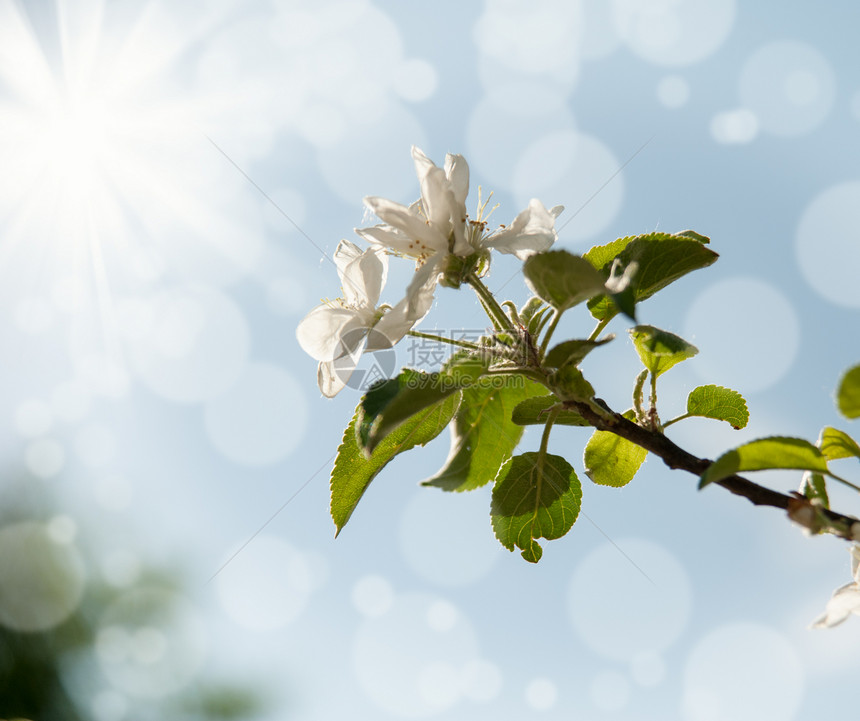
476 228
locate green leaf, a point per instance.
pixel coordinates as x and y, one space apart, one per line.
532 307
658 349
601 256
766 454
465 367
562 279
483 436
534 315
624 300
539 320
535 411
695 236
378 396
611 460
511 310
662 259
573 351
814 486
392 402
353 470
534 497
568 383
848 394
721 404
836 444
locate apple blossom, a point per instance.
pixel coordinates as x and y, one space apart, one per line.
437 227
341 329
845 599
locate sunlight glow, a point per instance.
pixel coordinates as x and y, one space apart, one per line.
109 180
75 145
101 145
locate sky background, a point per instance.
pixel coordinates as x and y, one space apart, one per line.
173 177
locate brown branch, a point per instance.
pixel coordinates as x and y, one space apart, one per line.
798 507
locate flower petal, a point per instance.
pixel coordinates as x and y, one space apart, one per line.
462 247
844 602
457 172
440 206
419 294
427 239
331 381
344 254
443 195
392 326
362 279
532 231
423 164
855 562
320 332
387 236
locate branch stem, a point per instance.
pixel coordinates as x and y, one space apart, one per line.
676 458
494 310
556 317
675 420
598 329
544 440
442 339
844 481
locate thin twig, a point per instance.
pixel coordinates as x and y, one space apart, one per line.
677 458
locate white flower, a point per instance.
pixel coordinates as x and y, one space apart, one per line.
532 231
428 229
845 600
342 329
438 225
433 225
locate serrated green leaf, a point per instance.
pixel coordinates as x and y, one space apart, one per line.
573 351
483 436
569 384
695 236
601 256
562 279
662 258
814 486
775 452
390 403
535 411
721 404
659 350
848 393
611 460
353 470
836 444
379 395
534 497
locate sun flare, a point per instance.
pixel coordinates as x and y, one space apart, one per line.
109 181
